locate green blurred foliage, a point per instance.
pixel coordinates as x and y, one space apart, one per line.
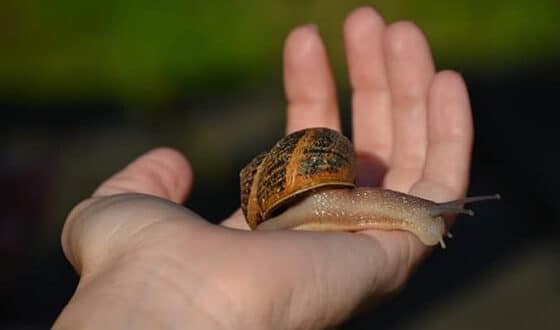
153 50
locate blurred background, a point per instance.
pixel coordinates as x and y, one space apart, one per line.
86 86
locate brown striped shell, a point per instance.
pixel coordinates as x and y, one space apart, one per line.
300 162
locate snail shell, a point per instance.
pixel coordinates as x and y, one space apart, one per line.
297 164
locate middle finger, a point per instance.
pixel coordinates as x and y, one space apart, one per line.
371 98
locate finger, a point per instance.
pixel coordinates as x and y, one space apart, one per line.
308 82
411 69
162 172
446 173
371 98
236 221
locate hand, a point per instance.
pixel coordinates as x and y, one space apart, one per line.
146 261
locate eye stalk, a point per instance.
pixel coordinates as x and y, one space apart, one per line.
456 206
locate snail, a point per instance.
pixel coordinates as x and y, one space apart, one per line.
307 182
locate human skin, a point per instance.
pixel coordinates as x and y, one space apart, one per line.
147 262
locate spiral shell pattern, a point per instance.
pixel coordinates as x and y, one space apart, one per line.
303 161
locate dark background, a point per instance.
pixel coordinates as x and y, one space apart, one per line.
87 86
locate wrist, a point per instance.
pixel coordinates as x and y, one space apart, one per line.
139 294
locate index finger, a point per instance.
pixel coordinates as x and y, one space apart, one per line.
308 81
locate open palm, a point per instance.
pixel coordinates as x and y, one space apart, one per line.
145 260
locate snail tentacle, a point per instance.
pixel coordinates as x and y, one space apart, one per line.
456 206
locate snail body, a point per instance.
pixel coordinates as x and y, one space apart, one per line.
307 182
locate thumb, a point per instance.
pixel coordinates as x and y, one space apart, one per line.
139 195
162 172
